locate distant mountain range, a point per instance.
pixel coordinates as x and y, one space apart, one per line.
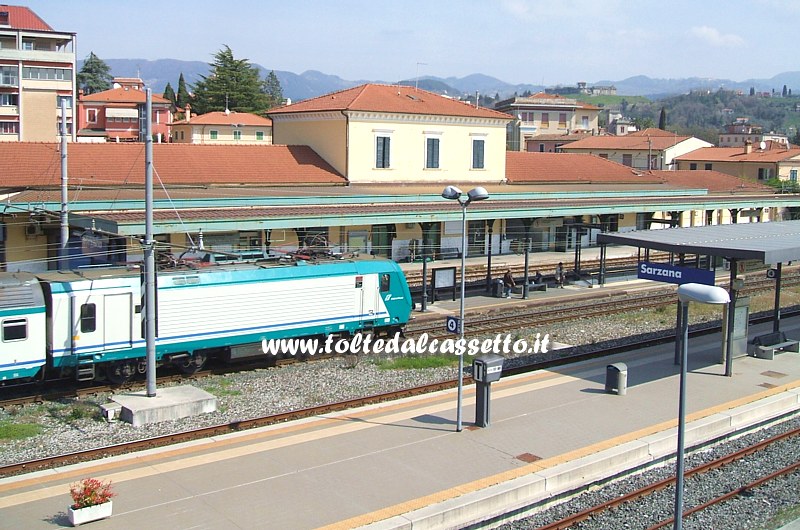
311 83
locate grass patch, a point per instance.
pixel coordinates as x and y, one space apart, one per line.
18 431
783 518
415 363
221 388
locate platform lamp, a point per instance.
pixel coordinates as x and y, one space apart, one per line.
702 294
455 194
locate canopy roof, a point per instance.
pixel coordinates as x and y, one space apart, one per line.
769 243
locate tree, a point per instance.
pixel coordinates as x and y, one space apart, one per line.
752 91
169 93
785 91
95 75
182 97
662 119
272 88
233 84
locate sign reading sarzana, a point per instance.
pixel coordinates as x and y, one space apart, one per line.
663 272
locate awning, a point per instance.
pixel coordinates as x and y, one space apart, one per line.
122 113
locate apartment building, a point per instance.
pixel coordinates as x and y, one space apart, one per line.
37 73
544 113
117 114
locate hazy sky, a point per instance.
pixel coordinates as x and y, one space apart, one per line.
518 41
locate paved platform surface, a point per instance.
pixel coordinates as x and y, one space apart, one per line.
388 465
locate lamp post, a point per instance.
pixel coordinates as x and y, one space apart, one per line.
702 294
475 194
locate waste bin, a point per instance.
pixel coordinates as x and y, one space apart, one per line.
617 378
497 288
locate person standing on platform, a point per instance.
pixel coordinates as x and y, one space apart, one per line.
560 275
508 283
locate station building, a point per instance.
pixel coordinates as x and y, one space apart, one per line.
357 171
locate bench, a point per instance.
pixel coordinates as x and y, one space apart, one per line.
765 346
449 253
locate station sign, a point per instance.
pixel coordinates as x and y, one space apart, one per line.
663 272
453 325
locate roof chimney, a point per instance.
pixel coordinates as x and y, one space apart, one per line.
188 114
748 147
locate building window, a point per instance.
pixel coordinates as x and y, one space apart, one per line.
764 173
585 122
66 99
545 119
9 127
526 117
260 136
15 329
477 154
9 100
237 134
708 167
693 166
653 161
91 115
562 119
627 160
47 74
382 151
793 175
8 76
213 134
541 148
432 153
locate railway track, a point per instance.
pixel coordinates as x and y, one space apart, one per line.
697 472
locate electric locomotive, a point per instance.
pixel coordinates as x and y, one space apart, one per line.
88 324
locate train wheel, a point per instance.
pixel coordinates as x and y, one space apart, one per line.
193 363
120 372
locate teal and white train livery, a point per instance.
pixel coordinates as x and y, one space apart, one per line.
87 324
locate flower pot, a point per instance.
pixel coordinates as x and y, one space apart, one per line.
89 513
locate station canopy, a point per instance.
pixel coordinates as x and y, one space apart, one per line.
769 243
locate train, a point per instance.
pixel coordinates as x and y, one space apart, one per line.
87 324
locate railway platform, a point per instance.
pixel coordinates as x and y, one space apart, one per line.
403 465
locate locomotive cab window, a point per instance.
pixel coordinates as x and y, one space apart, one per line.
385 282
88 318
15 329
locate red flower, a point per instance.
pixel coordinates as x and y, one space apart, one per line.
89 492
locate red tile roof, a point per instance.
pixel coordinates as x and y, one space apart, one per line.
528 167
738 154
713 181
23 18
27 164
630 141
228 118
396 99
121 95
653 132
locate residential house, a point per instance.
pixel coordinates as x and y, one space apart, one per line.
397 134
641 150
741 131
544 113
37 73
117 114
759 164
222 128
